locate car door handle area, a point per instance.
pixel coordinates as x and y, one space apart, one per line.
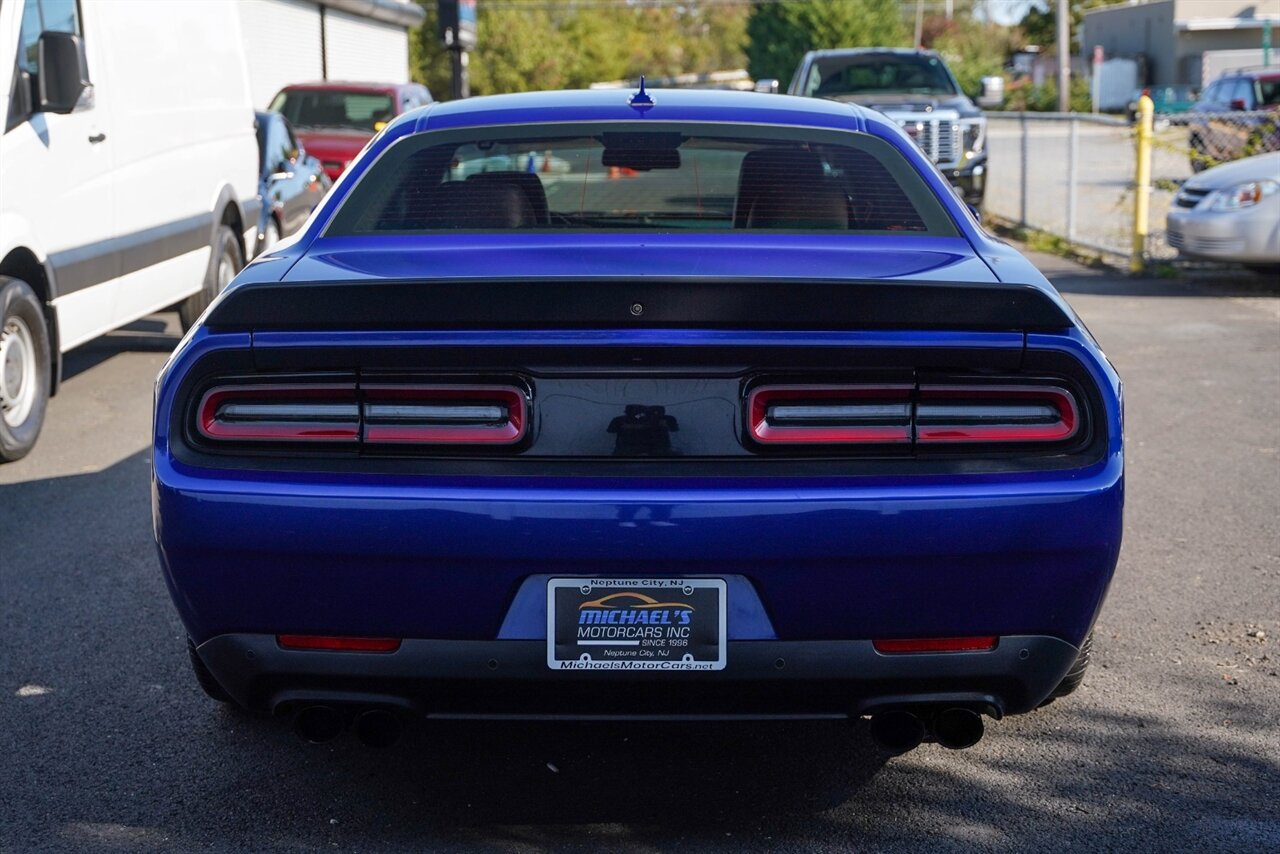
97 138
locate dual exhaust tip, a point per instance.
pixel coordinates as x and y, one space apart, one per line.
374 727
899 730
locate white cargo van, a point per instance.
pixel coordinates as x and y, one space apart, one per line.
128 178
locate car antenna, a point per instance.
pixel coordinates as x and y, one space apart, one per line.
641 100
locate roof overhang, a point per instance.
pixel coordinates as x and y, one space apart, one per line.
1194 25
404 13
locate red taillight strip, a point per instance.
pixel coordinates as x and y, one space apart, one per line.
823 414
280 413
995 413
337 643
916 645
444 414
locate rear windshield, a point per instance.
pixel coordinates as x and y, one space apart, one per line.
669 177
310 109
878 74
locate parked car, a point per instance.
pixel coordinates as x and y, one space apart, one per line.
335 120
916 89
1231 213
127 180
291 182
1238 115
770 427
1167 99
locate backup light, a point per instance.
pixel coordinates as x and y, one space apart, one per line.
832 415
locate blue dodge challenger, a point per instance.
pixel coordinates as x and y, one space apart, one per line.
640 404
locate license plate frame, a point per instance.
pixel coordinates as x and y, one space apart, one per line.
640 624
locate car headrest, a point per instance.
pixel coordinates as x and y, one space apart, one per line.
468 204
811 206
527 183
770 170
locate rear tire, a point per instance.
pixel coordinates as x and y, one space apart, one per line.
1075 675
207 683
25 365
225 262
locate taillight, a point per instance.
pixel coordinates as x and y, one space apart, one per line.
280 413
444 415
964 413
931 415
831 415
899 646
376 414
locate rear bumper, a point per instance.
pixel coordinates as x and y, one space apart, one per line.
761 679
444 558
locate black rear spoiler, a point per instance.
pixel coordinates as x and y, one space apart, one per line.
619 303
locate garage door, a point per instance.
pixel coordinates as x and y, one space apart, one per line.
364 50
282 45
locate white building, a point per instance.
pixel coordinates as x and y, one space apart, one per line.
300 41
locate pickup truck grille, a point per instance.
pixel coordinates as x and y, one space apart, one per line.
939 138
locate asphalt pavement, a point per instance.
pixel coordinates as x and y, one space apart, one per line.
1173 743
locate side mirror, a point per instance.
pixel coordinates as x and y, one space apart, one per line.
1238 104
62 72
768 85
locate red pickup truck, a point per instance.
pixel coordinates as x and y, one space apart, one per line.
334 120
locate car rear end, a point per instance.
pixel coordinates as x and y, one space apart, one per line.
673 475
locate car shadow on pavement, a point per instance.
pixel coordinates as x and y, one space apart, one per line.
155 334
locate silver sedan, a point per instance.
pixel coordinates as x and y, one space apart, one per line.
1231 213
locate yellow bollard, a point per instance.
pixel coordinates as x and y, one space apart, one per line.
1142 186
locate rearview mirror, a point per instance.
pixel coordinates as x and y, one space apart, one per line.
62 71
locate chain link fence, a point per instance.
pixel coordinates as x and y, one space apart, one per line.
1074 175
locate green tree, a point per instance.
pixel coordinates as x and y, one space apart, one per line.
779 34
567 45
972 48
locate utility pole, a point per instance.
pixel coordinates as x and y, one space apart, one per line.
1064 57
919 23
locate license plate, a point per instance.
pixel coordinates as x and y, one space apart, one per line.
666 624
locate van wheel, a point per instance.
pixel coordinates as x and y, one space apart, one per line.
223 266
24 368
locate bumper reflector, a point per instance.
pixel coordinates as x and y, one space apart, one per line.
909 645
334 643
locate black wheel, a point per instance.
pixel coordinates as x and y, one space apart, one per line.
24 368
223 266
207 683
1075 675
